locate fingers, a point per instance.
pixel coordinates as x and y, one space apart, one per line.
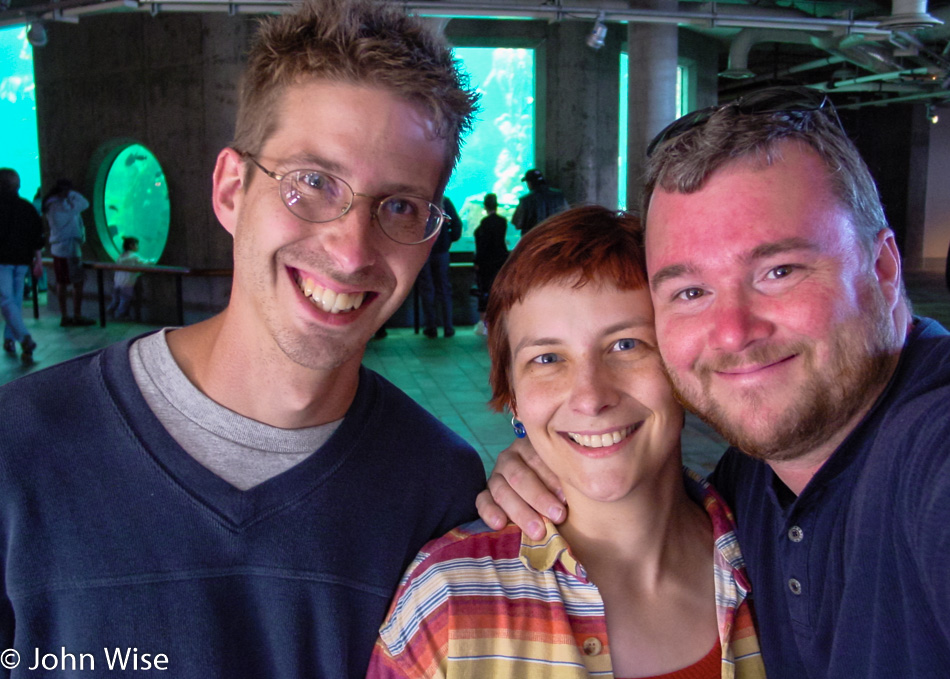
520 490
491 513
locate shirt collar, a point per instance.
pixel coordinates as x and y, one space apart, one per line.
546 553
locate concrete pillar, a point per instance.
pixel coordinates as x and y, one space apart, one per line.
937 220
918 151
580 150
653 51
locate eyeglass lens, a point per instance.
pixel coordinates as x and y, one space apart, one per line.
318 197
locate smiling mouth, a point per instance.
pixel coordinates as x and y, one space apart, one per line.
739 371
326 299
601 440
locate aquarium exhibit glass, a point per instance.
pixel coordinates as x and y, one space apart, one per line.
135 203
500 147
20 148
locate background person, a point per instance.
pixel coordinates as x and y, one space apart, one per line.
62 207
783 322
41 282
123 286
491 251
541 202
644 577
435 288
21 245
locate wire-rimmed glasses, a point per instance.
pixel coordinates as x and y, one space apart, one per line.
319 197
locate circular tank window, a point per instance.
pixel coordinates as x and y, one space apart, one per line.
134 203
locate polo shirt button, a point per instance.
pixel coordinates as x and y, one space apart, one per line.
795 534
795 586
592 646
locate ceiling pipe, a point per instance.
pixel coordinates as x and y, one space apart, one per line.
871 56
874 88
943 94
749 10
738 65
879 77
735 16
785 72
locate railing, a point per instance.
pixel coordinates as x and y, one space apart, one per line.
179 272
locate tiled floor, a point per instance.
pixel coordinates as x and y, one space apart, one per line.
447 376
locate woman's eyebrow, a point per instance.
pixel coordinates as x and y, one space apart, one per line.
627 324
535 342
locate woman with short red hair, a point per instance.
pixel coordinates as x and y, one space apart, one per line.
644 578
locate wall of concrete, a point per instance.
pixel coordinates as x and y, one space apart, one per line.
937 233
893 142
701 54
651 106
167 82
582 127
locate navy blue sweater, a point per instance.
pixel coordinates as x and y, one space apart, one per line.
852 578
112 536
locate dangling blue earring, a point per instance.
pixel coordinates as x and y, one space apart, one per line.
518 427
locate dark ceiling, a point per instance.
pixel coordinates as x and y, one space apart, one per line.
839 47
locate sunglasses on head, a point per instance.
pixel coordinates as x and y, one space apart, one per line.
794 103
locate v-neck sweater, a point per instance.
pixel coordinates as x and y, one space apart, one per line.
112 536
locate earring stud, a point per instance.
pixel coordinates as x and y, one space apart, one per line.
518 427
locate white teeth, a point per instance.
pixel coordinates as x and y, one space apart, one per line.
328 299
342 302
600 440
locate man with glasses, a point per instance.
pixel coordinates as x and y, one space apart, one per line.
239 498
783 322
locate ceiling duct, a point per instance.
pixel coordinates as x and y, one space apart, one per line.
738 66
908 15
868 54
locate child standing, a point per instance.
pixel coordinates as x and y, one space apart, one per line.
123 288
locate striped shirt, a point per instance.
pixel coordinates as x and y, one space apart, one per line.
483 603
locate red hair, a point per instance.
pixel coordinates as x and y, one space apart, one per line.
581 245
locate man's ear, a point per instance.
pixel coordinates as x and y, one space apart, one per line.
228 191
887 267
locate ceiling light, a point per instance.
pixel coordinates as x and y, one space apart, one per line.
37 35
597 35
